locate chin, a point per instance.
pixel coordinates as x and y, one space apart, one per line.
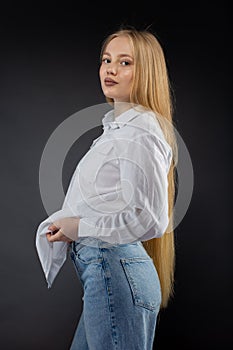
109 96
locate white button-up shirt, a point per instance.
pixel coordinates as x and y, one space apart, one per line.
119 189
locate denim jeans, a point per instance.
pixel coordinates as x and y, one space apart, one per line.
121 297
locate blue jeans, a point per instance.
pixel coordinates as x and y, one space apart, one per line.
121 297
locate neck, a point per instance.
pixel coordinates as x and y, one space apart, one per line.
121 107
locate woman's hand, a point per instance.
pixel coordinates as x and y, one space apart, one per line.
65 230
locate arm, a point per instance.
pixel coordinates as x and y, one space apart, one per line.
143 206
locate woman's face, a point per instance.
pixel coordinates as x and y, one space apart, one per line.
116 70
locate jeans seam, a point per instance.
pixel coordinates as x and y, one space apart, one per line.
109 290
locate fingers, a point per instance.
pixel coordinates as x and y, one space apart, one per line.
54 237
52 227
57 237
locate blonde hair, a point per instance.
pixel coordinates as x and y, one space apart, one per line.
151 89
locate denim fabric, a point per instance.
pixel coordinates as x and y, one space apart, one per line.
121 297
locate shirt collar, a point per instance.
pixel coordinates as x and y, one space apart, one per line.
110 122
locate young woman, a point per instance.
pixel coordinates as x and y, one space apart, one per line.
117 214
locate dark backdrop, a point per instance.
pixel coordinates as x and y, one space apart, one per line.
48 71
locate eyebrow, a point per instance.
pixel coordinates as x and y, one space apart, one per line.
120 55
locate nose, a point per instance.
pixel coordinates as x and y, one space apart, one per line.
111 69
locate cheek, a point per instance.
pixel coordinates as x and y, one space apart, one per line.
101 72
128 77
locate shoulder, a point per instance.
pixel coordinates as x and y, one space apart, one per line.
148 126
148 121
152 136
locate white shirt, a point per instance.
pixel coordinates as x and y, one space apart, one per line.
119 189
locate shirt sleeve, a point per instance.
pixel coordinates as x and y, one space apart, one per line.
143 212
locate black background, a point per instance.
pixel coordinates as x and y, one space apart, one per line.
48 71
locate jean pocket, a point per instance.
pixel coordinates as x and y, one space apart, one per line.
143 281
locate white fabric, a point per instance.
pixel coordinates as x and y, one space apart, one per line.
119 189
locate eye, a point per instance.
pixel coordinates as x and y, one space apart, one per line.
106 60
124 63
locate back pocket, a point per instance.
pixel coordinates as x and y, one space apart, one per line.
143 281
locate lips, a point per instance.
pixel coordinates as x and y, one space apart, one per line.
110 82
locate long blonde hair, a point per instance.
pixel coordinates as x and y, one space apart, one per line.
152 90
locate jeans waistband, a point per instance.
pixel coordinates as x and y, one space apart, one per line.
98 243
